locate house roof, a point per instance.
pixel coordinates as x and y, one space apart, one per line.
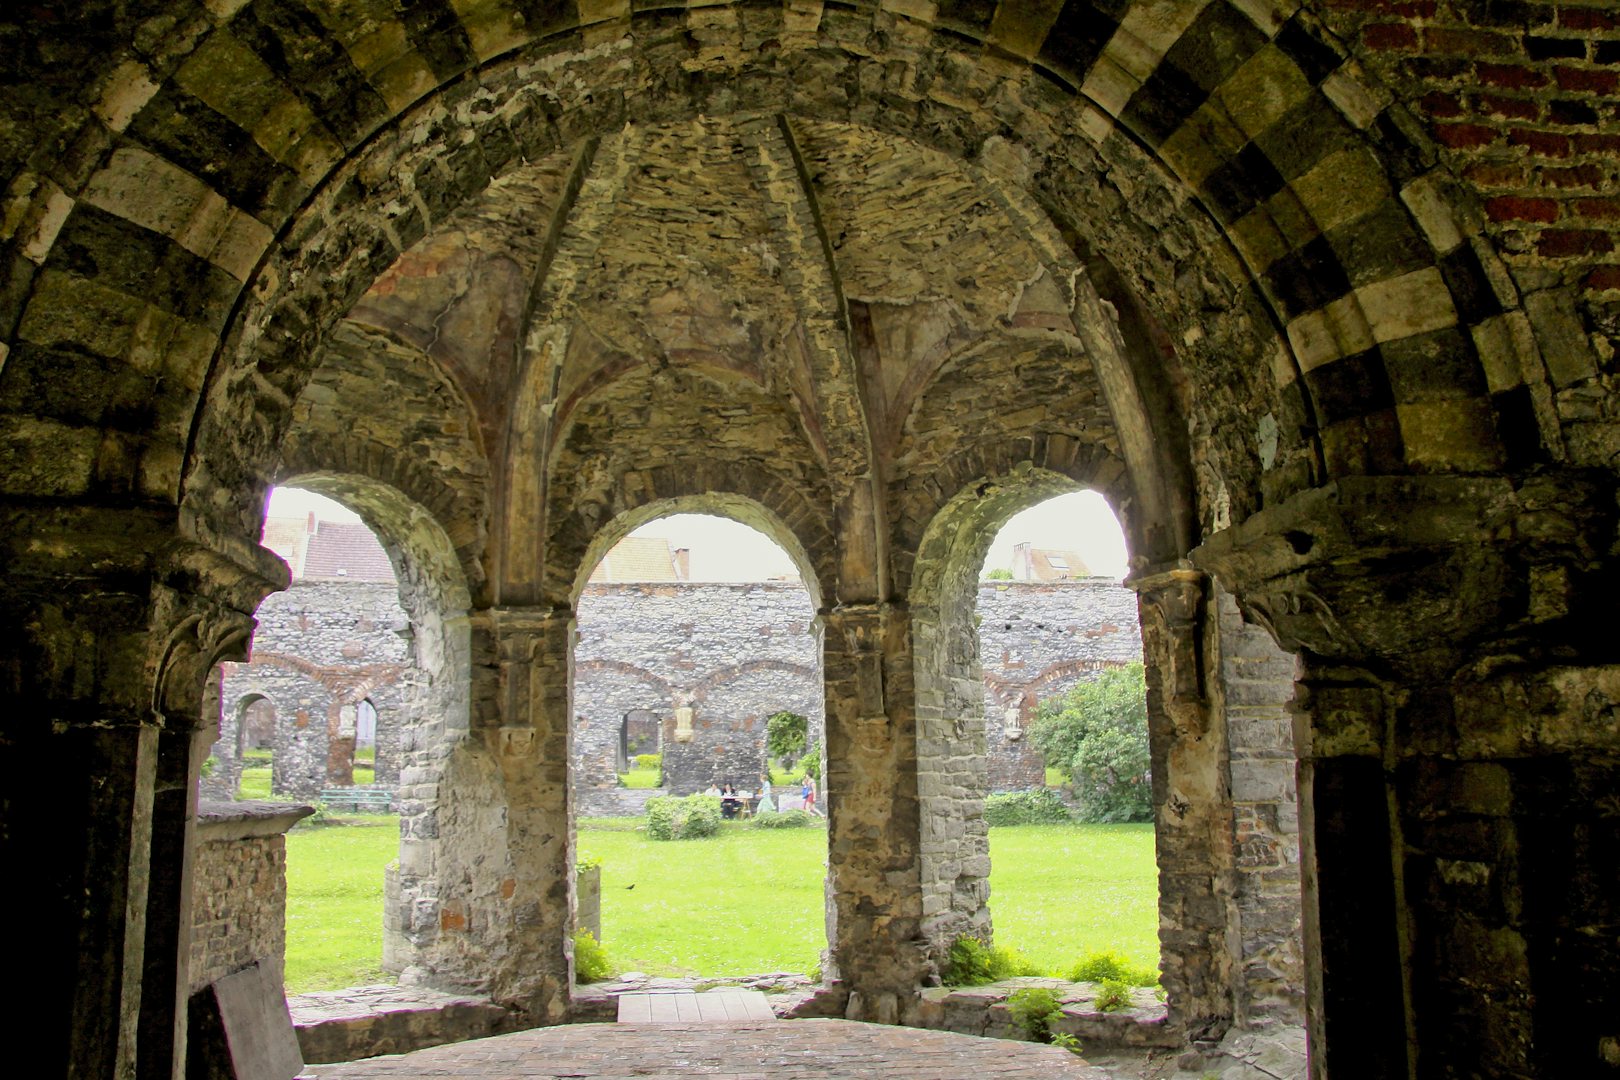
1051 564
638 558
345 551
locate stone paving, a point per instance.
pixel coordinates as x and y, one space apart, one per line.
796 1050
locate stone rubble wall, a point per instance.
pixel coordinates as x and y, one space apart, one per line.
239 889
1037 640
321 647
733 653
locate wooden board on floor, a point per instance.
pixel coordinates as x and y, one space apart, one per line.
718 1007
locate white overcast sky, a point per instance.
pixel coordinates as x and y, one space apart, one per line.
724 550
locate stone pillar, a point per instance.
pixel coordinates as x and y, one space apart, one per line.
92 794
1192 798
875 917
532 745
1459 751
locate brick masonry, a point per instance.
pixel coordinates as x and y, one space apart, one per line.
239 882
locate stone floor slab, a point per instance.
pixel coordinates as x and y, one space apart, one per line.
790 1050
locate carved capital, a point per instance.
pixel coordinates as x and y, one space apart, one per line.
1414 574
1173 602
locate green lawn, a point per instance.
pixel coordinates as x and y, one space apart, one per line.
334 902
745 902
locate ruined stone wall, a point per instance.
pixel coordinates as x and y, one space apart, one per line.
732 653
320 649
1035 642
239 889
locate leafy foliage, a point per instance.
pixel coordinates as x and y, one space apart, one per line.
786 819
1040 807
1104 966
591 962
1035 1009
1000 573
1098 730
649 761
970 962
1113 996
810 762
691 818
785 733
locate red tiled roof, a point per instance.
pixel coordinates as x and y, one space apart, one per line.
344 551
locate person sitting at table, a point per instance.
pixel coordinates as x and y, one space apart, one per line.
766 805
713 789
730 804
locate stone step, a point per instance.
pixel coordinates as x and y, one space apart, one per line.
721 1007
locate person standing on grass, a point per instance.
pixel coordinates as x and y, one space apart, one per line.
809 793
766 806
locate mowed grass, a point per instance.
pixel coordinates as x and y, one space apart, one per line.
335 902
745 902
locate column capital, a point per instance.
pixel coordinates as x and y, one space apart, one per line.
1415 574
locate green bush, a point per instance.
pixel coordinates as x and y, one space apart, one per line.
1114 996
1098 730
1104 966
1035 1009
970 962
590 958
786 819
1000 573
691 818
649 761
1042 806
810 762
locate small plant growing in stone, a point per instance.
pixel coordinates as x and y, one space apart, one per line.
591 962
970 962
1113 996
1099 966
1035 1009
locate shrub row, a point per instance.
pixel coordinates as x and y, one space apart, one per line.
1043 806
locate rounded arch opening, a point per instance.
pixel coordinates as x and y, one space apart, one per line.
699 631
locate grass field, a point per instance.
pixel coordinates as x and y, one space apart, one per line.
747 901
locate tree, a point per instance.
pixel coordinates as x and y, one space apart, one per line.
998 574
1098 732
785 734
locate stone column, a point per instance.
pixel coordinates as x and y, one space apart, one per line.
532 745
1458 757
91 644
202 608
875 918
1192 798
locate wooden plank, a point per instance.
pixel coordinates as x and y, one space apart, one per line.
757 1007
664 1008
635 1009
712 1008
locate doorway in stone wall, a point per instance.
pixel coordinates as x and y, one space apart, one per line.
692 631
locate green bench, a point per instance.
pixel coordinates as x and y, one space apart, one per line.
358 800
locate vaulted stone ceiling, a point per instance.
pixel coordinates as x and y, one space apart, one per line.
787 289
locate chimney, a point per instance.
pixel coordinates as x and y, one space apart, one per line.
683 564
1021 568
309 525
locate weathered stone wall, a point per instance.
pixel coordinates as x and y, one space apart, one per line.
1035 642
320 649
1256 687
239 889
733 654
